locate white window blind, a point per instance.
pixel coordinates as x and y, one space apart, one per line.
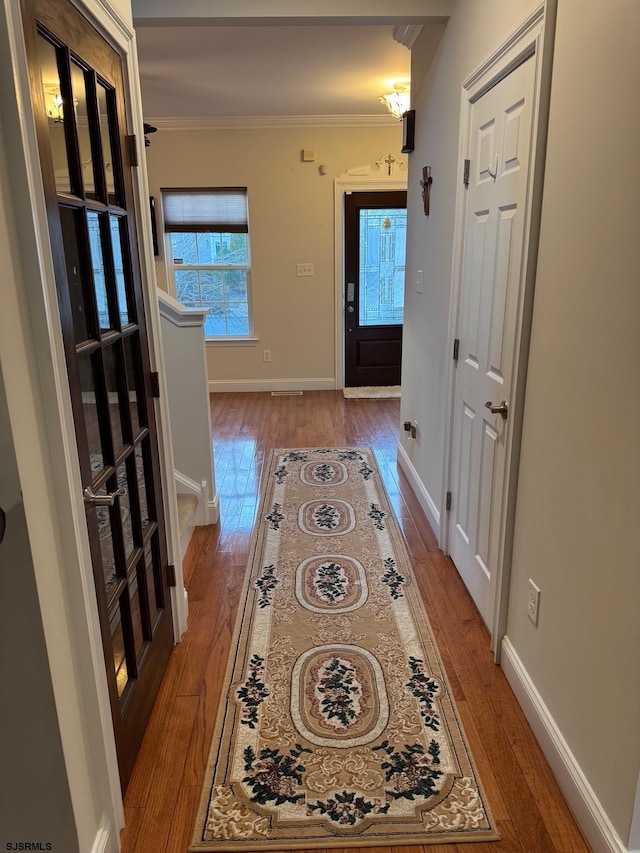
222 209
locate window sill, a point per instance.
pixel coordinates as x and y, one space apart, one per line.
232 342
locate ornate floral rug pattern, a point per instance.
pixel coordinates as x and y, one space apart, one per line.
337 727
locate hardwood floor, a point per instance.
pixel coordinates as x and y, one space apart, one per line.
164 791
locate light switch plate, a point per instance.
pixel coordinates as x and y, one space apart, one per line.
420 281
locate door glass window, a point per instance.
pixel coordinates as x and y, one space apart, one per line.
154 578
97 264
119 656
116 223
86 368
79 92
136 395
54 108
125 512
382 240
111 372
107 152
136 615
142 488
70 235
103 517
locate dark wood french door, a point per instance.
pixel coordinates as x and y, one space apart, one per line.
78 100
375 243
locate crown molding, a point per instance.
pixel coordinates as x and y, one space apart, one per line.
263 122
407 34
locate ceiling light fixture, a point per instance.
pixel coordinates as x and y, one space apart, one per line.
397 102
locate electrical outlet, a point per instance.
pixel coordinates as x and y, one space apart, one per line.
304 269
266 355
533 602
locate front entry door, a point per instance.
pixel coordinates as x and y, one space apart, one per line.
491 310
78 101
375 246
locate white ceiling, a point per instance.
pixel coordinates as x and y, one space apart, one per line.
234 72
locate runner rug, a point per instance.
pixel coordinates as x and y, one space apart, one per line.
336 726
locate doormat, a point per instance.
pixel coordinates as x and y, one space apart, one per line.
380 392
336 726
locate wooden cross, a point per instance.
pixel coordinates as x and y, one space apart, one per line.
425 183
390 161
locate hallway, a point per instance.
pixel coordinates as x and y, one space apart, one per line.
165 786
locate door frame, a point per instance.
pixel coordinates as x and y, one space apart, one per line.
378 176
532 39
34 369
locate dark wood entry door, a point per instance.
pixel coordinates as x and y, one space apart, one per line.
375 242
78 101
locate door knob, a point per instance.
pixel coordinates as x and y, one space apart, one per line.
90 497
502 409
350 309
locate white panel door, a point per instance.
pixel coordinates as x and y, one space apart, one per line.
492 278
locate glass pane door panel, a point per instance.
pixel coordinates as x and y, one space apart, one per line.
53 104
136 615
86 368
107 153
154 578
125 512
111 374
116 223
103 518
71 229
136 395
119 656
142 488
381 267
79 91
97 265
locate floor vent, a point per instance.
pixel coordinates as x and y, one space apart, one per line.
287 393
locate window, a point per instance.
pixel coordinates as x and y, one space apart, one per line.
208 244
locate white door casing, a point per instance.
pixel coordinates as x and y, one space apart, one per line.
494 268
491 280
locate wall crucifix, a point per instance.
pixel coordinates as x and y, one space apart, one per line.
425 183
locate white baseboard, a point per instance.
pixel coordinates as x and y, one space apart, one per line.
213 508
424 498
579 794
327 383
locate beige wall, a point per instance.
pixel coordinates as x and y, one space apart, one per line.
26 679
472 33
290 221
577 531
123 8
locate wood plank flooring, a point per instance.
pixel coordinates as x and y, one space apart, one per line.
164 791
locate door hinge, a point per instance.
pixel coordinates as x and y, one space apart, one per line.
171 575
456 349
447 505
155 383
132 145
467 169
